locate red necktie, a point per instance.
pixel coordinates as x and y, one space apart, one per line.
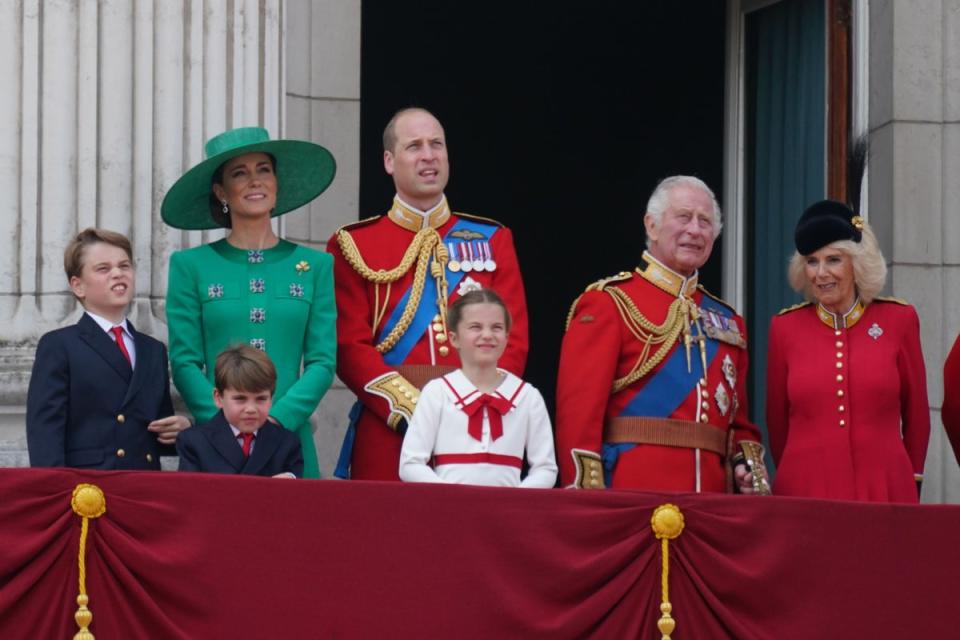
497 405
247 443
118 333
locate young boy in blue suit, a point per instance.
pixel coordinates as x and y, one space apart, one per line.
241 438
99 394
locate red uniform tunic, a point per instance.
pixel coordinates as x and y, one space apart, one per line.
847 410
951 398
601 346
365 307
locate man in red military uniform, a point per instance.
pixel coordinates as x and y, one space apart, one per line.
652 384
395 275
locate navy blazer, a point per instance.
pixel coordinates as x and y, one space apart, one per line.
87 408
212 447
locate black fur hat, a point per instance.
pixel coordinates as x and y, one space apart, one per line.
825 222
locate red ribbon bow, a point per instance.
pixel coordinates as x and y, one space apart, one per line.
499 406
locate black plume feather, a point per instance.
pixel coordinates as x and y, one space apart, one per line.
857 156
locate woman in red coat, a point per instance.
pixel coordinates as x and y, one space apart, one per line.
847 410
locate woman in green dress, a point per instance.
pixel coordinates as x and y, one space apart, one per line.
252 287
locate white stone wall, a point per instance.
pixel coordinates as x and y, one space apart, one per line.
914 200
323 105
105 103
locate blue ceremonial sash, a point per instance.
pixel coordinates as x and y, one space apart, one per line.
667 388
428 301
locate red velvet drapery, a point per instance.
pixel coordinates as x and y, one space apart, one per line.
208 556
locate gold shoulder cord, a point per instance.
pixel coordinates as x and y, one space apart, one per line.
426 244
663 336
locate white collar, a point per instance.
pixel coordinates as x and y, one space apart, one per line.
106 325
237 432
460 385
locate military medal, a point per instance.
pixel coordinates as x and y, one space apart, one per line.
730 371
453 264
723 400
476 258
489 263
466 265
875 331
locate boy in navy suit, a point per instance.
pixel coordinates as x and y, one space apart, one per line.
241 438
99 394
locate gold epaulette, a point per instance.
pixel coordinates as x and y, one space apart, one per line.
601 284
717 299
799 305
891 299
596 286
359 223
470 216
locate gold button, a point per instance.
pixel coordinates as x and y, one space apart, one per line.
593 473
401 388
414 400
843 422
703 417
436 318
121 418
840 408
408 395
839 393
441 338
444 350
839 344
437 326
837 332
705 404
703 382
705 394
839 365
121 453
149 457
839 354
839 377
395 382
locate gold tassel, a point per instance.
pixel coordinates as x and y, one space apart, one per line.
667 524
88 502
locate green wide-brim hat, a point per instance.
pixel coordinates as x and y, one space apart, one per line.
304 171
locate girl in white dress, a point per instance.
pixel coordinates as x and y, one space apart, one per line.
475 423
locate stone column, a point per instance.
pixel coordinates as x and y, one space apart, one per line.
323 105
105 103
914 199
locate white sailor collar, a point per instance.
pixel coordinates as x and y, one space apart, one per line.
461 391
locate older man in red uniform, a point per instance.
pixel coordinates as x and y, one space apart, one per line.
652 383
395 275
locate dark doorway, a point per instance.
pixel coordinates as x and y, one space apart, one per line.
560 120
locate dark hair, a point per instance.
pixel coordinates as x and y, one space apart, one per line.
244 368
477 296
390 131
216 207
76 251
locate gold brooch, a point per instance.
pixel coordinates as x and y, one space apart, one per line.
302 267
857 223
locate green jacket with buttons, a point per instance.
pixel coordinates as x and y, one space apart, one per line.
280 300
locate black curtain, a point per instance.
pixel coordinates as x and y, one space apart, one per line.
560 119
